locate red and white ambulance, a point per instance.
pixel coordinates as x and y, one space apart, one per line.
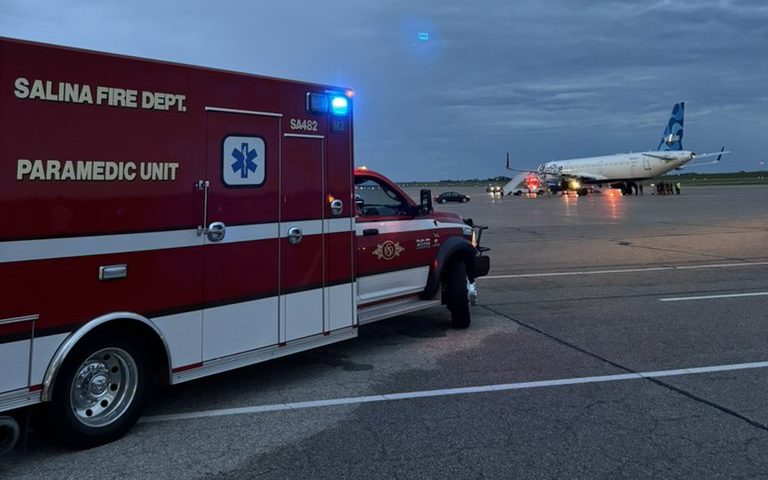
164 222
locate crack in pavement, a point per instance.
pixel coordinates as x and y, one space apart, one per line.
678 390
687 252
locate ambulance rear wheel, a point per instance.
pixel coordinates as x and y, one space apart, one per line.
100 391
456 294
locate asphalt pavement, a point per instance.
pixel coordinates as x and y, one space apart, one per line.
616 337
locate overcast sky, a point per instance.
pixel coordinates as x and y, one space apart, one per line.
544 80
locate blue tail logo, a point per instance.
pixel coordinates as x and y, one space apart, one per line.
673 134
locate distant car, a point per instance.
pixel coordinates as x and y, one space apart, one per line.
452 197
495 189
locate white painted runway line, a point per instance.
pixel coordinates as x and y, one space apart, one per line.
712 297
449 392
720 265
624 270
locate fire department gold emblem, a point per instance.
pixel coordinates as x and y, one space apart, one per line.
388 250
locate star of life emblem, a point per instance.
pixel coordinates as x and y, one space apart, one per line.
388 250
243 161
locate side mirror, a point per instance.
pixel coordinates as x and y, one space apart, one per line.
425 206
359 202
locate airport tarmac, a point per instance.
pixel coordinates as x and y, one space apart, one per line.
616 337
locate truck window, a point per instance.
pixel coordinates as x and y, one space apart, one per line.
378 199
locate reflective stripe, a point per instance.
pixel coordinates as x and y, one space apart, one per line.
26 318
49 248
338 225
25 250
399 226
248 233
308 227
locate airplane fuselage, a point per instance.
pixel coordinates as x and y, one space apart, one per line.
618 167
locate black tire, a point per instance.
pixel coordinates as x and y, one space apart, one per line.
442 200
9 434
114 358
456 295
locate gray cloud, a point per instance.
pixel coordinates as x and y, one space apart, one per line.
544 80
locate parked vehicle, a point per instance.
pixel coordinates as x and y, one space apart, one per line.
452 197
163 223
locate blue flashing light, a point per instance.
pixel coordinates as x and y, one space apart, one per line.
424 36
339 106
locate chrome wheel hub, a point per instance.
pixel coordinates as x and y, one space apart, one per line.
104 387
472 292
98 385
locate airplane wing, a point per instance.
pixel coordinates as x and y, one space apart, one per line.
523 170
519 169
663 157
719 154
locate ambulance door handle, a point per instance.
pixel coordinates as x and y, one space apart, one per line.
370 231
216 231
295 235
337 206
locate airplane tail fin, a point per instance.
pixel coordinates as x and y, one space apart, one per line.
673 134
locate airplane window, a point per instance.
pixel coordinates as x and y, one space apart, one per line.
378 199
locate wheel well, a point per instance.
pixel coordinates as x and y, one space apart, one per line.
459 256
453 248
152 343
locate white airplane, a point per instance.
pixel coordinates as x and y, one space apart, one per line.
622 170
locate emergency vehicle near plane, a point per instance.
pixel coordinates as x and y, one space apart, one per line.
163 222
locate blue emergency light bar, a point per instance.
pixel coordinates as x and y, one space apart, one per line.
317 103
335 103
339 106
